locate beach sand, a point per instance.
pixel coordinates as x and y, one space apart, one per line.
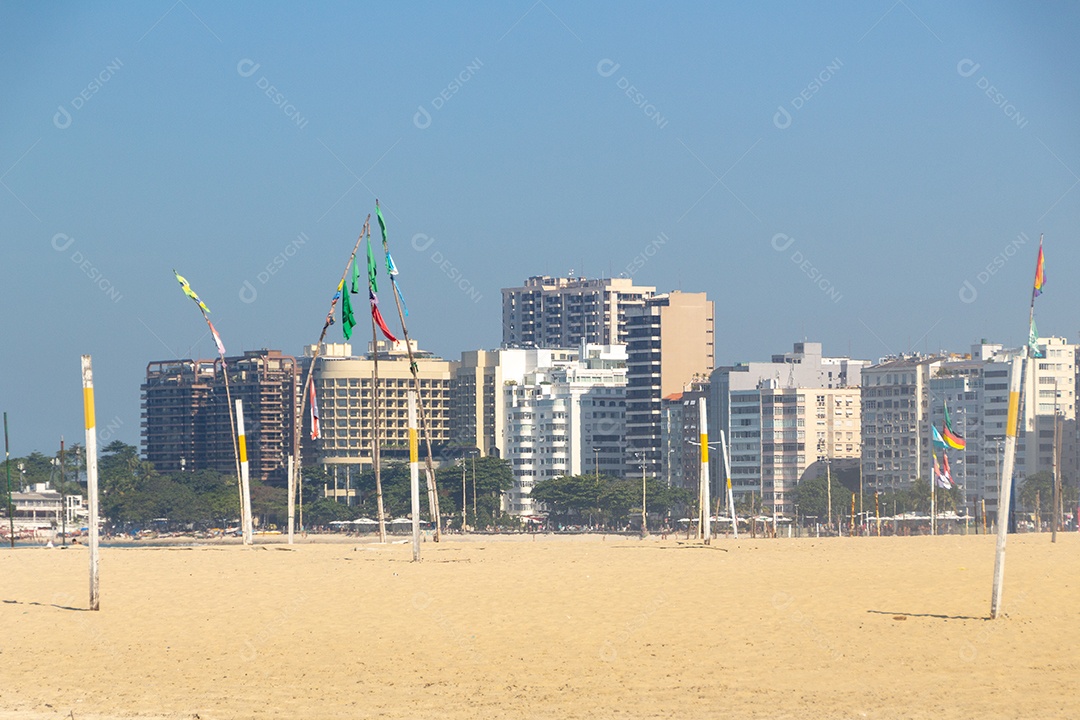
551 627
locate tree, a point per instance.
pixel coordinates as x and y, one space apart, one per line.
1042 483
606 500
811 495
572 498
325 510
493 477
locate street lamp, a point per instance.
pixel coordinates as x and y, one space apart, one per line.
828 481
463 500
475 516
596 482
644 523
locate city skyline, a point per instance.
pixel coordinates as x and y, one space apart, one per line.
874 177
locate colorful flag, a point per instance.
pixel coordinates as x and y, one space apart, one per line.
946 474
951 438
315 433
379 318
348 321
1033 341
939 442
189 292
372 270
217 339
1040 276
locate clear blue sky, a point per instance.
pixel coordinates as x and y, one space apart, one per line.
523 138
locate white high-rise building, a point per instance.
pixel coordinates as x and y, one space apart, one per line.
477 410
563 311
568 419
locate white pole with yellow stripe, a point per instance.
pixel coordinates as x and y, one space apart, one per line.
414 475
703 429
245 486
727 482
91 475
1004 494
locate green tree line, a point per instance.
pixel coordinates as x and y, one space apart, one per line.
605 500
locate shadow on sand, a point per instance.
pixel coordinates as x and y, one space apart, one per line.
898 615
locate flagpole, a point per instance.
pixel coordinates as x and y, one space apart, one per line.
228 393
1018 373
298 424
1004 497
432 488
91 477
7 464
933 495
244 520
727 482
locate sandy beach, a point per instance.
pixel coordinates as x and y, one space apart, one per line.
555 627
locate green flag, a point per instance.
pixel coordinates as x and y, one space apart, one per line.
347 319
355 277
382 222
1033 340
372 271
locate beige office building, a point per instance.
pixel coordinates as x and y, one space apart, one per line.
669 345
343 387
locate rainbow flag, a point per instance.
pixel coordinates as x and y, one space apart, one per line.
1040 275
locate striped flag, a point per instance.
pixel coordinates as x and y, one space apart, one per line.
217 339
315 430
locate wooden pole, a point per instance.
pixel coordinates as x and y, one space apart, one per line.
375 440
298 419
245 486
1011 426
933 502
644 517
7 464
861 513
63 498
828 487
432 487
877 513
414 476
1054 517
727 482
851 530
91 476
292 500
